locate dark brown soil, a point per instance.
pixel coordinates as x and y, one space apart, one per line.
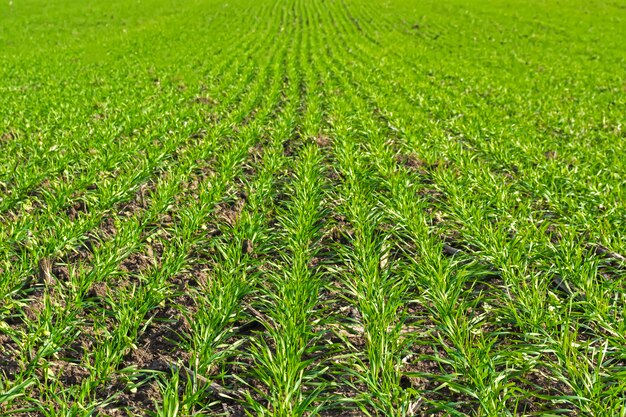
540 382
412 162
75 210
137 262
6 137
550 154
205 100
323 141
9 366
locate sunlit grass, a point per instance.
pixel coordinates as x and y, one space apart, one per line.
298 208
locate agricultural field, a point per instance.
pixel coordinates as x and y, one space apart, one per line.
312 208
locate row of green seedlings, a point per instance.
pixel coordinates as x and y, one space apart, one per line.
116 146
265 371
66 233
509 157
135 229
571 257
288 356
378 160
280 372
218 323
381 158
370 280
106 160
147 222
40 235
188 230
82 153
553 291
217 332
363 276
462 191
56 199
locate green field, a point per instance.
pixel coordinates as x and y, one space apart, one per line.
312 207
